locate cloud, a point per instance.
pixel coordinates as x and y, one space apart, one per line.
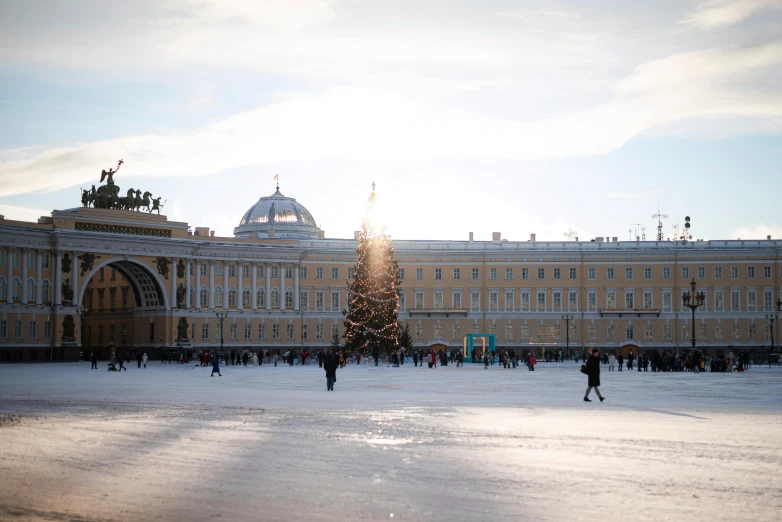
759 231
17 213
714 14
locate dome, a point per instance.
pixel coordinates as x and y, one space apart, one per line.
283 216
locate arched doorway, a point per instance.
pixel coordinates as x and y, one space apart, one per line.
124 305
628 348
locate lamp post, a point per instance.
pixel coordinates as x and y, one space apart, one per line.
773 317
567 318
81 311
221 316
693 301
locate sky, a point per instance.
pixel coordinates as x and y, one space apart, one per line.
560 118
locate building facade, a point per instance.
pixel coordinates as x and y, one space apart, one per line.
86 278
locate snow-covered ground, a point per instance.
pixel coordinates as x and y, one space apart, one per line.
450 444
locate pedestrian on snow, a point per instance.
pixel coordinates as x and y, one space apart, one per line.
330 365
216 366
532 362
593 375
619 362
144 360
121 364
94 359
611 362
138 359
485 360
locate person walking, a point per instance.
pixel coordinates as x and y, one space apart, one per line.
138 359
593 375
611 362
94 359
330 365
144 360
532 361
216 366
619 361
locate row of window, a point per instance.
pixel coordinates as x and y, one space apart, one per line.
32 332
16 259
591 273
260 299
16 290
274 271
233 331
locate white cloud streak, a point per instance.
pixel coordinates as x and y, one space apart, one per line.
715 14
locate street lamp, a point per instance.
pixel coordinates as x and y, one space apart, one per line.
81 311
221 316
567 318
693 301
771 318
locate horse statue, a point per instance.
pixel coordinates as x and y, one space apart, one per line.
137 201
126 203
146 200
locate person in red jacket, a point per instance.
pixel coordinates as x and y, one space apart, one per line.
532 362
433 359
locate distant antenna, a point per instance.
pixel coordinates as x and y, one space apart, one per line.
635 235
659 216
643 233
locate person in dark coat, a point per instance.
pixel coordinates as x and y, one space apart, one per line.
138 359
593 373
216 366
94 359
330 365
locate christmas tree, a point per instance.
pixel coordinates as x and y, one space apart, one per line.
371 322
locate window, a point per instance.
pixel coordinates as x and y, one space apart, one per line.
751 332
288 272
610 300
493 298
685 332
457 299
319 299
474 274
751 272
304 299
734 272
609 273
572 301
262 332
718 300
218 296
289 299
524 332
648 272
735 300
751 300
275 331
218 269
2 257
611 333
541 273
402 300
303 272
351 273
304 332
629 332
125 333
667 300
46 261
572 273
493 274
248 332
509 274
591 273
475 301
319 273
334 330
717 272
557 300
245 270
767 272
246 296
205 331
232 297
592 301
438 299
419 298
508 332
666 332
113 274
16 290
438 274
44 291
232 270
685 272
702 332
30 257
260 298
666 272
233 331
319 332
438 331
736 332
334 301
648 333
542 300
30 289
101 274
419 274
628 273
275 272
525 273
629 300
509 301
419 331
275 298
457 331
556 273
203 269
33 330
768 300
335 273
290 331
701 272
401 274
647 299
718 335
204 296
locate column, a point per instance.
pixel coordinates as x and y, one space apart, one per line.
225 285
188 267
268 286
282 284
173 283
254 298
25 297
39 277
75 282
212 285
239 303
9 281
197 303
296 271
57 278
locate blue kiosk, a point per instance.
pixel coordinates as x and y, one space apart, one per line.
469 343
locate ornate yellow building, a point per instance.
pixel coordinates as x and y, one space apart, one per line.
143 282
